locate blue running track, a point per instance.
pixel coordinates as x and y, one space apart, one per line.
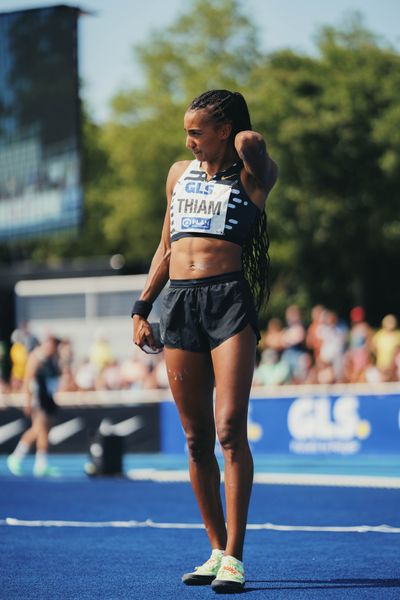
84 539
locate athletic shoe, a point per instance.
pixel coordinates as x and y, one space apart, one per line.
230 577
45 471
207 572
14 464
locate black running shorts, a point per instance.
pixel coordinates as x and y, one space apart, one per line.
42 399
200 314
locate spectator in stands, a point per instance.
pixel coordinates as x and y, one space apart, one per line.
272 337
386 343
293 338
271 370
19 359
85 375
313 340
67 380
30 341
66 353
397 365
100 353
133 371
370 372
357 356
160 372
325 373
110 377
307 372
333 339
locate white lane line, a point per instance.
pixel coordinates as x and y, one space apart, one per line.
9 521
363 481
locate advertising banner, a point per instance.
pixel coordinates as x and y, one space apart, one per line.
317 424
76 427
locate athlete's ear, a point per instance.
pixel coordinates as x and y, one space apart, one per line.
225 130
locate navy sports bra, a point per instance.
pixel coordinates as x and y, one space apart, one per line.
218 208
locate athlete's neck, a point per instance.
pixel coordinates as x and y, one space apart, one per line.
212 167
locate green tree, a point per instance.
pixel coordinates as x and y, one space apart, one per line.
333 122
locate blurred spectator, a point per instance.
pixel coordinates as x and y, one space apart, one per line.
385 344
272 337
358 355
331 351
397 365
134 371
66 353
293 338
19 359
370 372
85 375
271 370
110 377
29 340
325 373
307 372
100 353
313 340
160 372
67 380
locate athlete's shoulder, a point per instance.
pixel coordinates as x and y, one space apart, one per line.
176 170
179 167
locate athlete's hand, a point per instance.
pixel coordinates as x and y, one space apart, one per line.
142 334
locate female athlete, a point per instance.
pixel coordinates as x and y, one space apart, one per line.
213 249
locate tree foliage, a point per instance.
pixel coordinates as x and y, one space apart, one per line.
335 216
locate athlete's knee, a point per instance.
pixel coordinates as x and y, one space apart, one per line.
232 435
200 445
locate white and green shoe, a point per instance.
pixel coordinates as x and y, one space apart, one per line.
14 464
230 576
207 572
45 471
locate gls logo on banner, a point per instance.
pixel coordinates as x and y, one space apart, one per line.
321 425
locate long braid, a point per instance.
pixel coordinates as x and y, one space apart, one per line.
230 107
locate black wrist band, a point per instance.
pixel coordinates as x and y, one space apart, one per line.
142 308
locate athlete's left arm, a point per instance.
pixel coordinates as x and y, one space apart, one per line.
252 149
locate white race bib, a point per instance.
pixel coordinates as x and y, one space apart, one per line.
199 207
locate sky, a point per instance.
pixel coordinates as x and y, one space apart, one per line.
107 37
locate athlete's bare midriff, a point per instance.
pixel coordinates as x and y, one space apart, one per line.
196 257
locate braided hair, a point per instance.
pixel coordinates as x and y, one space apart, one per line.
230 107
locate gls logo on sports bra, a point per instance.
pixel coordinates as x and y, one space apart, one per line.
199 187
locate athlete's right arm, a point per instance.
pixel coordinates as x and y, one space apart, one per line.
159 268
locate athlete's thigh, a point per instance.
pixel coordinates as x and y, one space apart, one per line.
233 363
41 420
191 380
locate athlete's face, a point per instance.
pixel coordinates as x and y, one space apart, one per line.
203 137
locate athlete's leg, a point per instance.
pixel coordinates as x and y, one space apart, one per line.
43 424
30 435
233 362
191 380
